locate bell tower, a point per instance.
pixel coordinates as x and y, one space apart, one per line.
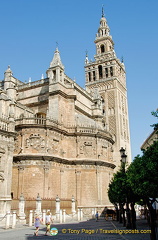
107 74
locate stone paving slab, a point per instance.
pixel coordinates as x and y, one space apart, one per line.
88 230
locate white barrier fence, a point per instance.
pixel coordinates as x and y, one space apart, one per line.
11 219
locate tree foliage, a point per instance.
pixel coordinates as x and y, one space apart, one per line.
155 114
143 173
117 188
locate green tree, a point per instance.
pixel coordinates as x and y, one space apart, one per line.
155 114
120 193
117 191
142 175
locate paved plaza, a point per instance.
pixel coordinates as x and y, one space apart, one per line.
87 230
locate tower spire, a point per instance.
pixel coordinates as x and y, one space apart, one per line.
103 15
56 60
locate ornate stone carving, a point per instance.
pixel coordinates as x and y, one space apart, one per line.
104 151
35 141
17 145
87 149
53 146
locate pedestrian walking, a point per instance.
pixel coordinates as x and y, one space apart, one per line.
48 222
37 224
97 216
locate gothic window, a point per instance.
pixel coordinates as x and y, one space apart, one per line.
106 72
89 76
111 71
102 49
93 75
100 71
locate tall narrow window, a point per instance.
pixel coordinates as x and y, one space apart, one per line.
106 72
100 71
89 75
93 75
54 74
111 71
102 49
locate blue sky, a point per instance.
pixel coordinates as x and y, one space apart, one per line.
29 30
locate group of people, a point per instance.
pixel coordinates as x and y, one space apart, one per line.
38 221
49 221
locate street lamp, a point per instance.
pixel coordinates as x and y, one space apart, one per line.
123 155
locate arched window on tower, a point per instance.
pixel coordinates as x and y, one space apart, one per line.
89 76
106 72
102 49
111 71
93 75
100 71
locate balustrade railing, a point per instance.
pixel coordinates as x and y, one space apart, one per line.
30 84
52 122
4 123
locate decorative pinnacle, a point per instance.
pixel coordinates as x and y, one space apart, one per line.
86 53
103 15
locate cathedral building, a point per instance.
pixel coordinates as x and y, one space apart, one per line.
57 138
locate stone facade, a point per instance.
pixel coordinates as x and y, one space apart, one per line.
66 139
150 140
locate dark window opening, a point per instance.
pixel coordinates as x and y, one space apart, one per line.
54 73
89 75
93 75
102 49
106 72
100 71
111 71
